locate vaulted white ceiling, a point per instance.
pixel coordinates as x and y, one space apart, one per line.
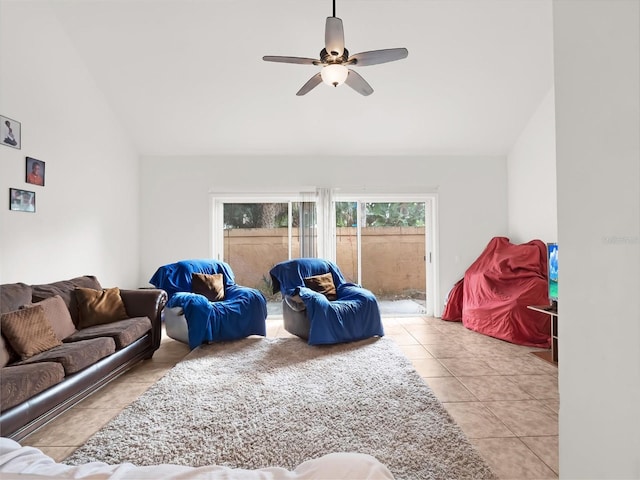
186 77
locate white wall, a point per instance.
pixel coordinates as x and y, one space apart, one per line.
597 89
87 213
531 178
175 198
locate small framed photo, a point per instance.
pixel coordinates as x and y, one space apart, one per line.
22 200
10 132
35 171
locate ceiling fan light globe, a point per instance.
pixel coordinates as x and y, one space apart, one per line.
334 75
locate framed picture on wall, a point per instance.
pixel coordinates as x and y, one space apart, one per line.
35 171
9 132
22 200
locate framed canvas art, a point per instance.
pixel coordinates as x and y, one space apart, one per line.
22 200
9 132
34 171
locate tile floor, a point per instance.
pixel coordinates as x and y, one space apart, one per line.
504 398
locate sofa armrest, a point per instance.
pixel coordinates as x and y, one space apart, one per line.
147 302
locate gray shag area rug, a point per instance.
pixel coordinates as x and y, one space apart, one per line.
262 402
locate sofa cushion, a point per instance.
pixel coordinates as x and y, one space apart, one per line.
123 332
28 331
322 284
209 285
65 288
97 307
13 296
21 382
76 356
57 313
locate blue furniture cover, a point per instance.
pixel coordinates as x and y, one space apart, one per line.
242 312
353 316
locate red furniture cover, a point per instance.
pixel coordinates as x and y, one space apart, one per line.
493 296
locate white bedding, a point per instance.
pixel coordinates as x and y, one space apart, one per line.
17 462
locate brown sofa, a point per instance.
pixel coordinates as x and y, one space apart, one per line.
42 375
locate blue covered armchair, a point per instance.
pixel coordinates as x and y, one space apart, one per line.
205 304
320 306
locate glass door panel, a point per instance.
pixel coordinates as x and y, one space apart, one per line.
256 237
305 218
393 262
347 240
381 246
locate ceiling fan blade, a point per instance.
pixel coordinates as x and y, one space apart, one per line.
359 84
334 36
375 57
312 83
298 60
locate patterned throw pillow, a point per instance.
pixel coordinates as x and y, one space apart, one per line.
97 307
28 331
211 286
322 284
56 311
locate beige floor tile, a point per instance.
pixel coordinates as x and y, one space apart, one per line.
449 389
449 350
416 320
72 428
445 325
403 338
511 459
272 326
117 394
171 352
487 388
282 333
471 367
391 322
546 448
394 329
422 329
147 372
430 367
553 404
520 365
483 350
477 421
526 418
433 338
538 386
415 351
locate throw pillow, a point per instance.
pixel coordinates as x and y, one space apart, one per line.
28 331
211 286
97 307
56 311
322 284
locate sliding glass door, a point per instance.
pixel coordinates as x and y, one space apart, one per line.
259 233
384 245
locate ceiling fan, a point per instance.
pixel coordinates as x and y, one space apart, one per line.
335 59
